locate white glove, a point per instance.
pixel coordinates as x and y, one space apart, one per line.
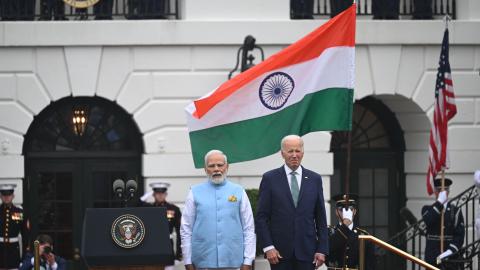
476 178
445 254
442 197
146 196
347 214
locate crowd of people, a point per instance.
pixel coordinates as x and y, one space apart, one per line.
218 230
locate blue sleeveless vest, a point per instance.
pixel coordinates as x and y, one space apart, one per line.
217 237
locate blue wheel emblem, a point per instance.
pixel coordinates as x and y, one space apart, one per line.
275 90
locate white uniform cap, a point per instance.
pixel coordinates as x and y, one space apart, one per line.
7 188
159 186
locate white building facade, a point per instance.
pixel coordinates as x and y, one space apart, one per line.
153 69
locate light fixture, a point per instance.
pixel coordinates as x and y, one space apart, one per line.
247 58
79 120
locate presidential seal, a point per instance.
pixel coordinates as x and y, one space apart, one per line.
81 3
275 90
128 231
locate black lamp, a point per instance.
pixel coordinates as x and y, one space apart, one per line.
247 58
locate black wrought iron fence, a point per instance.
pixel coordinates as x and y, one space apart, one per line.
379 9
27 10
412 239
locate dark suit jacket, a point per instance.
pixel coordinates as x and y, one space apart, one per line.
300 231
27 262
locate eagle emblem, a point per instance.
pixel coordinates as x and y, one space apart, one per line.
128 231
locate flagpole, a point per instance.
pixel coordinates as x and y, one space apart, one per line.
442 215
347 173
447 19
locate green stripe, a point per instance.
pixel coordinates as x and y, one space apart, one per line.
329 109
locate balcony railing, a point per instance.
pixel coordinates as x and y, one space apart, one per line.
412 239
28 10
379 9
12 10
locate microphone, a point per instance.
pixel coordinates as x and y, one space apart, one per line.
118 187
131 187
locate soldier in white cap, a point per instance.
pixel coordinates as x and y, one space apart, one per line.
174 216
12 223
454 227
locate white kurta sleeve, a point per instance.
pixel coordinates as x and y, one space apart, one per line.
249 237
186 228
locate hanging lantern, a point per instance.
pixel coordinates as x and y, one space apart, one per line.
79 119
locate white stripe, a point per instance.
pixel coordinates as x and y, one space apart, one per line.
11 239
455 247
333 68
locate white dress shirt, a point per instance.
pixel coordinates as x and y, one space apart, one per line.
246 215
49 267
298 174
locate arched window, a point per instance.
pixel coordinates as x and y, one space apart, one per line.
74 150
376 169
374 126
107 127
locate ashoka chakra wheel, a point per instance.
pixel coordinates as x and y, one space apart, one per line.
275 90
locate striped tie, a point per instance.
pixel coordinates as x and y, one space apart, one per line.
294 188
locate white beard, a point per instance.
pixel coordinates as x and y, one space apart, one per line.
217 180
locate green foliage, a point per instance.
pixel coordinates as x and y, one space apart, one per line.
253 197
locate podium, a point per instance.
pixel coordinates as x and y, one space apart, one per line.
126 239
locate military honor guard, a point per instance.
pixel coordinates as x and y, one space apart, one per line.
174 216
12 224
454 227
343 237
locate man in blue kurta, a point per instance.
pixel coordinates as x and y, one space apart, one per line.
217 227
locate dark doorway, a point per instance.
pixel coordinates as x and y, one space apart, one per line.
70 168
376 171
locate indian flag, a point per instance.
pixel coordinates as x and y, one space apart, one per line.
306 87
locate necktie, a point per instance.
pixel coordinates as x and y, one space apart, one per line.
294 188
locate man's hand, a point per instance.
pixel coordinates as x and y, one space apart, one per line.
347 215
273 256
442 197
245 267
190 267
50 258
318 260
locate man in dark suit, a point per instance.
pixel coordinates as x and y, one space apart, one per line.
291 222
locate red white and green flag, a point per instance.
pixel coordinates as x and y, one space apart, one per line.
306 87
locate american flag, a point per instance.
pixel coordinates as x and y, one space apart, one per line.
445 109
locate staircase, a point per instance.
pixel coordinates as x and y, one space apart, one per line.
412 239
